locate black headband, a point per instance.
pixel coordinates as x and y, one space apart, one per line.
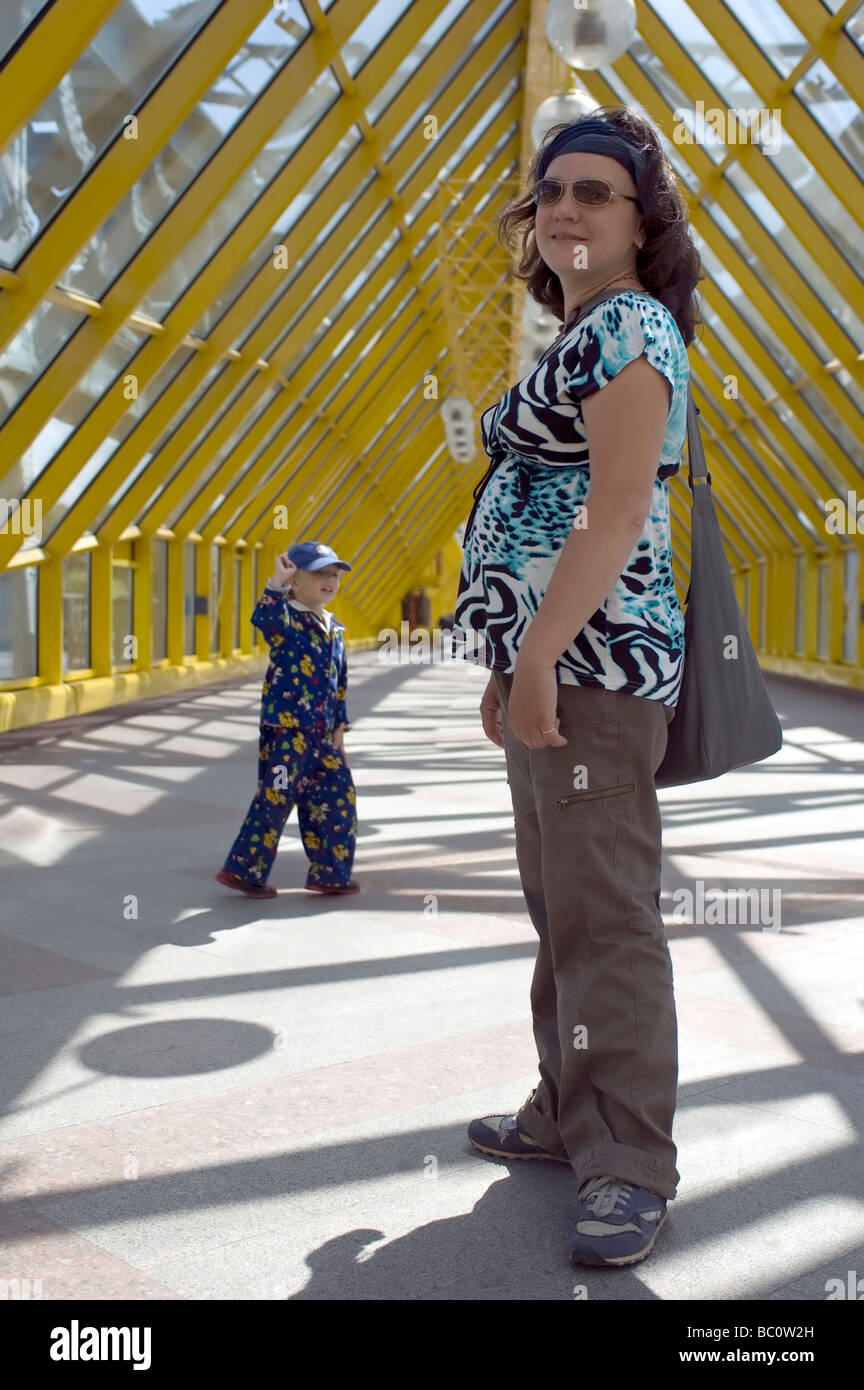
599 137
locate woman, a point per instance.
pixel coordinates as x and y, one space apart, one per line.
566 593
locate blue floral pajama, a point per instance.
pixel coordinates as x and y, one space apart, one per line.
299 767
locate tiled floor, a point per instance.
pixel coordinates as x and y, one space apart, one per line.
206 1097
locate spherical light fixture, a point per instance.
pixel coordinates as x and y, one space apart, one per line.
592 33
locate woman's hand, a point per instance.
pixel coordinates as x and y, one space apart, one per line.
339 738
533 706
490 713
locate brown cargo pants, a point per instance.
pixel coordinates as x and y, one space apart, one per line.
588 847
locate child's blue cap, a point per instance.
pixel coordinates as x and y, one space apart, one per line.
311 556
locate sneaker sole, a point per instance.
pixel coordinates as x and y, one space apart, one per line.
616 1260
505 1153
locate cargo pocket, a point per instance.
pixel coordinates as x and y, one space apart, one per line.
606 802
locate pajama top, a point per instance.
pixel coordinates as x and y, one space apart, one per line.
634 642
307 677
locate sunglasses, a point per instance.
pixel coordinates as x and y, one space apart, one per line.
592 193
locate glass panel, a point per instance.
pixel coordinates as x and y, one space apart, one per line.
278 235
17 14
800 588
821 202
215 576
102 376
250 70
159 605
217 414
174 425
18 608
838 115
701 46
733 347
203 475
762 606
76 612
824 466
108 446
65 138
122 634
778 38
189 598
686 123
734 293
847 443
783 235
34 347
239 472
426 159
253 180
236 602
768 279
373 29
850 605
823 637
855 27
334 266
418 55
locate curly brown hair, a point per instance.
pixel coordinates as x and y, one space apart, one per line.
668 265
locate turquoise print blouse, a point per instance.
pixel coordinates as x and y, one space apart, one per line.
634 642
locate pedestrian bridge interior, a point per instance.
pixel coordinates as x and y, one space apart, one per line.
246 254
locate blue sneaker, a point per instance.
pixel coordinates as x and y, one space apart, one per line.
616 1223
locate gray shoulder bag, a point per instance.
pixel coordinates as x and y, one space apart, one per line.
724 717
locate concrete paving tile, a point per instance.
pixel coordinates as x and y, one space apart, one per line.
263 1117
40 1258
147 1221
841 1280
25 967
829 1099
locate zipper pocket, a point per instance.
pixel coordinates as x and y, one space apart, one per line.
594 796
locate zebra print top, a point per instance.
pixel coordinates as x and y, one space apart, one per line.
535 436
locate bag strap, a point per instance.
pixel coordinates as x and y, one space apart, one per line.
696 464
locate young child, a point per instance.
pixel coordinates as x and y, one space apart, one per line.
300 757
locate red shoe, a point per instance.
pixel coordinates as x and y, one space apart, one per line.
252 890
352 886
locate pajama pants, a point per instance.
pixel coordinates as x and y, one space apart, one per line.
302 768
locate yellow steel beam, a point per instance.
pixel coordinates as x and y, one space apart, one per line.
37 65
410 237
82 443
660 112
792 209
794 281
124 161
775 92
188 429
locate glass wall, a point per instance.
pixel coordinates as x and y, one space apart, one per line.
159 604
189 598
123 640
76 612
215 588
18 607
